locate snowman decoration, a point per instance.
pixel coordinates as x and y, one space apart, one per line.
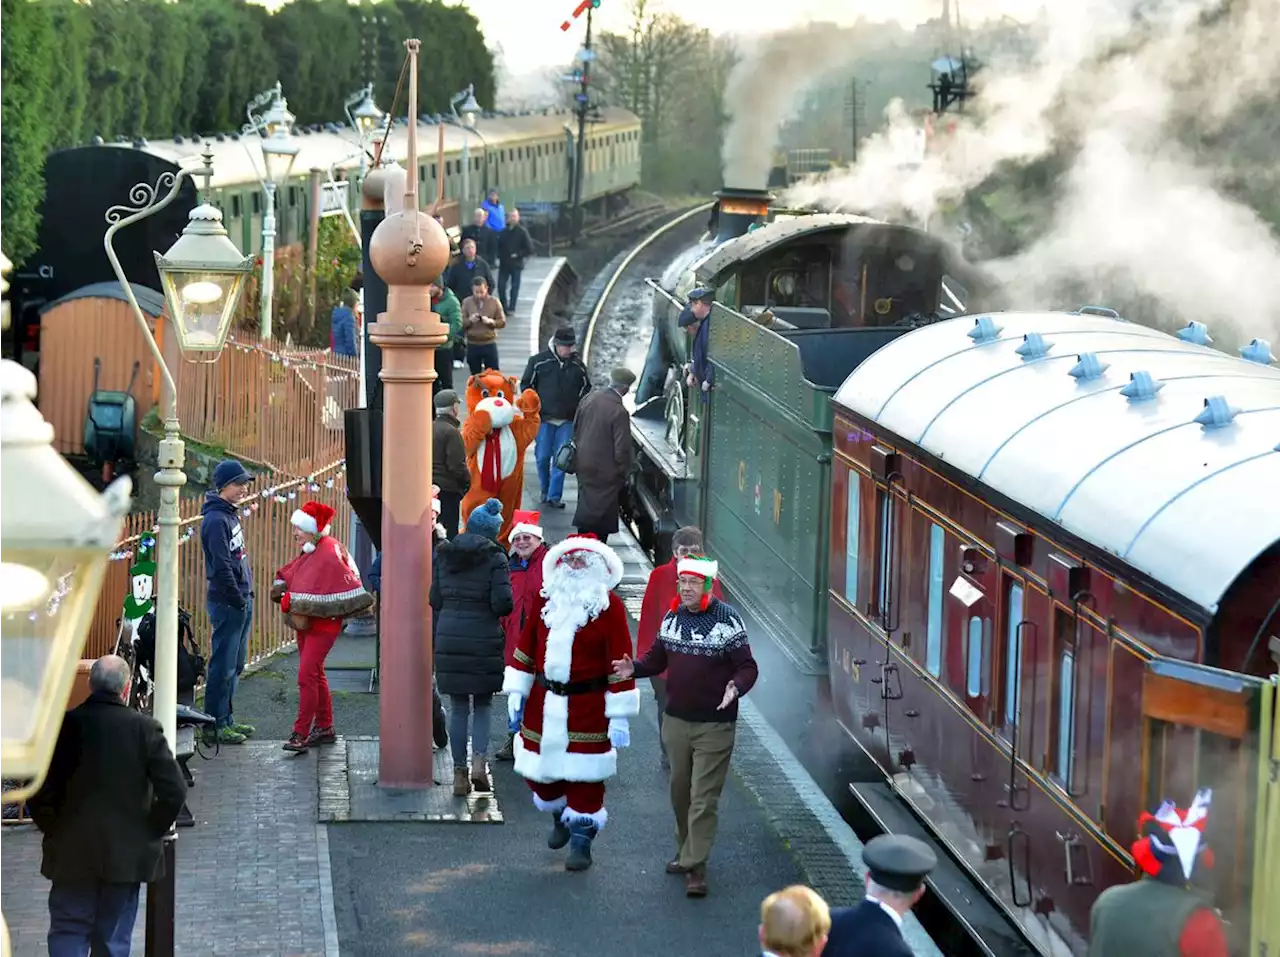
140 601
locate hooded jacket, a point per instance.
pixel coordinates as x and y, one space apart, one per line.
470 593
560 383
449 310
526 582
226 565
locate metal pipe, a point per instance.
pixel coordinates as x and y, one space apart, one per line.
580 151
268 259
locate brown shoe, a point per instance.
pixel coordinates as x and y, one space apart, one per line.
480 775
322 736
461 783
695 882
296 743
508 751
675 867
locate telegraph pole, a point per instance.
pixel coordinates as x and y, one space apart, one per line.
580 152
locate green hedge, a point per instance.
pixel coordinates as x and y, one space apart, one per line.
154 68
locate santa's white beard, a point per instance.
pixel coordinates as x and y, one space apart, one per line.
575 595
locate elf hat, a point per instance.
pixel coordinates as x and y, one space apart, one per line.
699 565
525 523
313 518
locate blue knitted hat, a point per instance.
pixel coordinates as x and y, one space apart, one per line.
486 520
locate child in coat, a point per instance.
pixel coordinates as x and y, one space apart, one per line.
527 552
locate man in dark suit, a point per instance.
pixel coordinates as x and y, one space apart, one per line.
112 793
896 868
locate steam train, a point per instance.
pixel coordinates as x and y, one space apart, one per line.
1035 555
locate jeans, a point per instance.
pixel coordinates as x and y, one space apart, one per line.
92 918
482 355
315 704
550 438
444 370
509 277
462 706
230 652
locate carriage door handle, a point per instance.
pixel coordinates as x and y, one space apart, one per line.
1075 851
891 688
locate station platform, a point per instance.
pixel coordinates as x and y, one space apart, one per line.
279 863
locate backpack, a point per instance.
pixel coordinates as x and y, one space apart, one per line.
191 664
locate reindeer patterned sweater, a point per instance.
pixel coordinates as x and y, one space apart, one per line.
701 653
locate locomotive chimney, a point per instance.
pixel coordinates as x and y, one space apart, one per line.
738 209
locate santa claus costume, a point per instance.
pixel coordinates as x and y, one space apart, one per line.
316 591
570 709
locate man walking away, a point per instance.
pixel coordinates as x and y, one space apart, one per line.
603 436
794 922
559 377
514 244
896 869
113 791
486 239
702 645
482 317
342 325
449 461
445 304
229 598
659 595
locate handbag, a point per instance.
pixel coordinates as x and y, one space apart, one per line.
566 457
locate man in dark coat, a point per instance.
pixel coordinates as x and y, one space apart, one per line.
484 236
603 437
896 869
113 791
694 318
470 594
466 268
514 244
449 460
560 378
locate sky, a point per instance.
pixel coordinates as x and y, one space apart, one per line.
530 35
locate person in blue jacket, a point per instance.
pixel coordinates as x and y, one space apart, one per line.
229 596
694 318
896 868
496 212
342 326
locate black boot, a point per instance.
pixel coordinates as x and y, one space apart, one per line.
559 835
439 727
581 834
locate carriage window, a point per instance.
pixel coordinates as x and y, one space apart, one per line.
235 206
973 667
933 636
1013 652
1066 717
883 521
257 204
853 526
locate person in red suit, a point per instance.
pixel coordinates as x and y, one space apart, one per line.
527 552
570 710
659 594
316 591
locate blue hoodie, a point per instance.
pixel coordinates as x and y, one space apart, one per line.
226 565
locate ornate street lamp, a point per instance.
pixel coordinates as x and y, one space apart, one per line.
279 150
466 102
363 112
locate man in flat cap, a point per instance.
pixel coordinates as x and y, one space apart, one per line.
602 434
896 869
694 319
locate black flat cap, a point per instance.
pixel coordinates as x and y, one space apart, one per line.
898 862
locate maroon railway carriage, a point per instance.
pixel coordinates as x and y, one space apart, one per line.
1055 565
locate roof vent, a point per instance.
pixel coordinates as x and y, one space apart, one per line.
221 137
235 137
1097 311
984 330
1088 366
1141 386
1216 413
1197 333
1259 350
99 141
179 139
1033 346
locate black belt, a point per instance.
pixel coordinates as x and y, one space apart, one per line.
573 687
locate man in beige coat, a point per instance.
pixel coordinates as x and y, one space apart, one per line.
602 434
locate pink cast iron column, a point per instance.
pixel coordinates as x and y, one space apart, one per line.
408 250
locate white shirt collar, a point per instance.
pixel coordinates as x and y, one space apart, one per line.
897 918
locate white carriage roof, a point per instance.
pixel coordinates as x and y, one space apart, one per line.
1169 459
234 165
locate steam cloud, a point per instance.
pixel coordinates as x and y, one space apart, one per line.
1118 86
761 90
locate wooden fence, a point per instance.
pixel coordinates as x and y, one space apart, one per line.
264 516
281 407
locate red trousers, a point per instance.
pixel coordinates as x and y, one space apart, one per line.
583 797
315 705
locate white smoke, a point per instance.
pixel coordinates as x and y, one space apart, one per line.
761 92
1116 86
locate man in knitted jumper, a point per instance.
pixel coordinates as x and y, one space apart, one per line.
702 646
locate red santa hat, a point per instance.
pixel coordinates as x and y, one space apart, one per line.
313 518
525 523
584 543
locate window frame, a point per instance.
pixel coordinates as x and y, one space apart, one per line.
936 600
853 529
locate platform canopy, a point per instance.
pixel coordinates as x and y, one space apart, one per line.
1159 451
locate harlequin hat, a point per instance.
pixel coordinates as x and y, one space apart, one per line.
525 523
1172 840
313 518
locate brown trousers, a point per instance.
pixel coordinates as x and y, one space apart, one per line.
699 753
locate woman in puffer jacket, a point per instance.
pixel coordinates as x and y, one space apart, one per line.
525 565
470 594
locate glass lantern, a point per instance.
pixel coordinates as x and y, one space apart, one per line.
203 275
470 108
366 114
278 153
56 534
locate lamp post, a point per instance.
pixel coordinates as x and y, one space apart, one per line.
470 110
364 117
408 250
57 535
203 275
275 129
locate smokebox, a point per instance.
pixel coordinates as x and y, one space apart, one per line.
738 209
